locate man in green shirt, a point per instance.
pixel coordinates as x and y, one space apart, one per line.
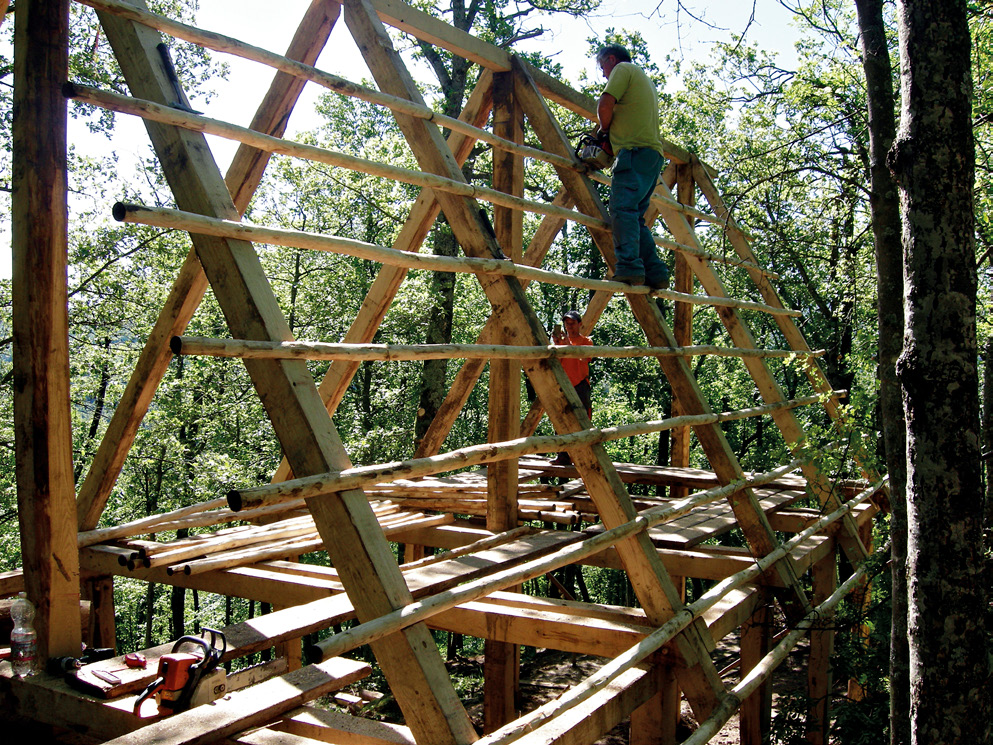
628 110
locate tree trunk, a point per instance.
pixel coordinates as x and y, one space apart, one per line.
933 159
884 203
439 331
988 440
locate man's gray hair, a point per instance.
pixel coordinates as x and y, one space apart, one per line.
615 50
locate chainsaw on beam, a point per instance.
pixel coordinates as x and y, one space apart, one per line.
180 674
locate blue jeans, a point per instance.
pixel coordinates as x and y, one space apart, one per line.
635 175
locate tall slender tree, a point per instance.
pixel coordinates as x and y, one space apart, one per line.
886 229
933 159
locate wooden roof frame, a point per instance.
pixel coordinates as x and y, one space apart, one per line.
299 410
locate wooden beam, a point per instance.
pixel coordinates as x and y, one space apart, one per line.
351 534
40 319
591 720
243 178
273 115
339 728
819 678
682 328
249 707
756 711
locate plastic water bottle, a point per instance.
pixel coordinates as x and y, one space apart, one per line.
23 639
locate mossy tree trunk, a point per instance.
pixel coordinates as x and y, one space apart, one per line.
933 159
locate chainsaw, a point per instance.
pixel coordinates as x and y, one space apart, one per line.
594 150
181 673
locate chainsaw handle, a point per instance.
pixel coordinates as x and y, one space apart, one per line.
147 693
194 640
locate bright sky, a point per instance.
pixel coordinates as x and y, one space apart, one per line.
256 23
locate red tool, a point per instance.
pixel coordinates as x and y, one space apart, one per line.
180 673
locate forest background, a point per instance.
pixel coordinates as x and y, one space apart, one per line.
789 138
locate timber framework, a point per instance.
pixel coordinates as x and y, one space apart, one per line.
471 537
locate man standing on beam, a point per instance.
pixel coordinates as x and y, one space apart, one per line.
628 111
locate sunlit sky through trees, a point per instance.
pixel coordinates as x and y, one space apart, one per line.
686 30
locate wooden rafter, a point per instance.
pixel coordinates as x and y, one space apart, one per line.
298 415
190 285
649 577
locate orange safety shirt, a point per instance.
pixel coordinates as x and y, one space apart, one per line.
577 368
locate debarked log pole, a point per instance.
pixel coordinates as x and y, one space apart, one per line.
151 111
758 674
310 350
196 516
360 476
162 217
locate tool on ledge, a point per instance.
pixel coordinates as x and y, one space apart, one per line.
180 673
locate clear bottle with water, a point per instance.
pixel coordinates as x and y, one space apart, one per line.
23 639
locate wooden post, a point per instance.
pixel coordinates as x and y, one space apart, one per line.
46 497
682 329
825 582
102 630
654 722
862 596
501 659
755 716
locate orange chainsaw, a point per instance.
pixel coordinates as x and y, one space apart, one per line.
180 673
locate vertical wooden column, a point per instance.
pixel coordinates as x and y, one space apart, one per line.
755 715
682 328
862 596
501 662
102 631
825 582
46 497
654 722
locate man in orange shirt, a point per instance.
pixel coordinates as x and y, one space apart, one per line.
576 368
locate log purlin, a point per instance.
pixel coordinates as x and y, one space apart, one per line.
298 349
197 224
308 487
190 285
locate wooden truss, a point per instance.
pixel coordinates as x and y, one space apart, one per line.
319 501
